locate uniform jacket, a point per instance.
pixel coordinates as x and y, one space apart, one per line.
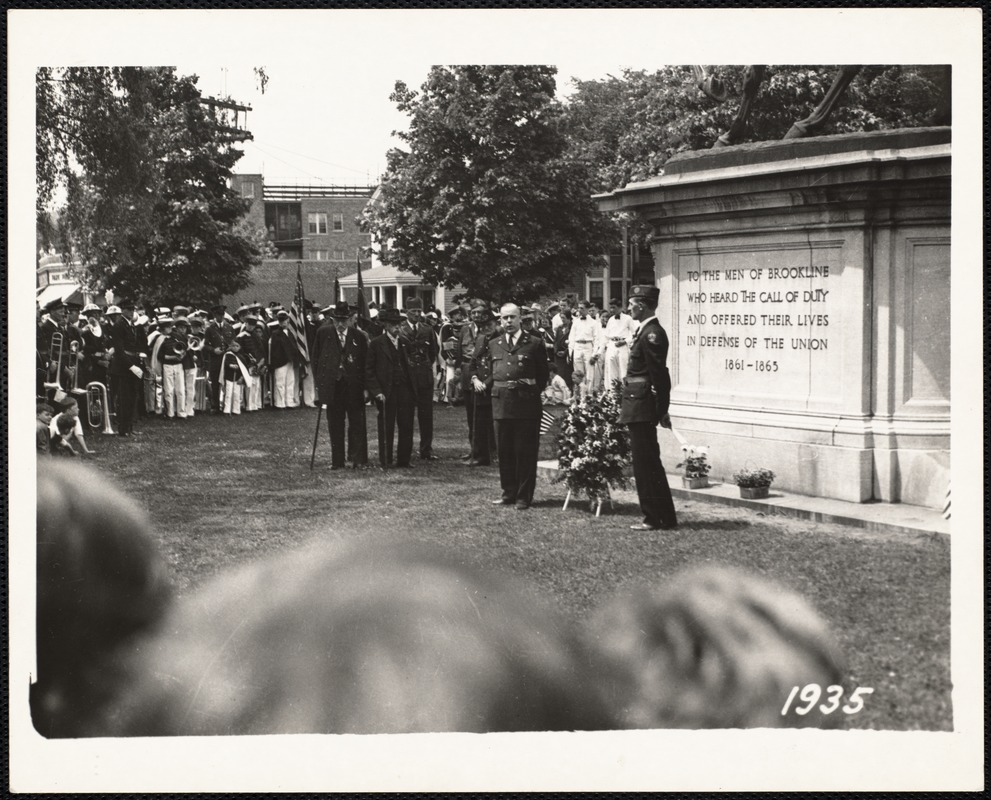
464 351
281 349
647 388
422 348
382 365
331 364
481 367
218 334
518 376
127 345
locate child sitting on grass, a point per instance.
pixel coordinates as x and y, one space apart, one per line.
43 437
60 437
557 391
70 411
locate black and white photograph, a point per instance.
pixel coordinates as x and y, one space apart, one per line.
496 400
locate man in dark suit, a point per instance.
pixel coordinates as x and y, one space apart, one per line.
339 359
644 406
422 347
127 366
388 381
517 364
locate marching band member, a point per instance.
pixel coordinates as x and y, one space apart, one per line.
235 375
217 338
52 322
250 356
195 387
153 376
94 347
464 351
189 364
283 359
618 337
170 354
126 367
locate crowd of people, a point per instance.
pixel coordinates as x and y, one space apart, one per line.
125 362
389 639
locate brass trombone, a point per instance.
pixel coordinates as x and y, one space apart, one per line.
55 364
97 407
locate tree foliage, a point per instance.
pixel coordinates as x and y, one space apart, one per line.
145 168
628 127
487 195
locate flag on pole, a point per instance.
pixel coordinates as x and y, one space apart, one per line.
297 320
362 301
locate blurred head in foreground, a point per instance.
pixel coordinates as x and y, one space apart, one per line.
376 640
715 648
100 583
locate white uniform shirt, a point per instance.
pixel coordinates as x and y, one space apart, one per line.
622 326
583 331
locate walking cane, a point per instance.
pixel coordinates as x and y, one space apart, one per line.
474 422
316 435
380 424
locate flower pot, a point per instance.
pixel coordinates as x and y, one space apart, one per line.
699 482
754 492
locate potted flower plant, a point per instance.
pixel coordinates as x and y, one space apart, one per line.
696 466
753 483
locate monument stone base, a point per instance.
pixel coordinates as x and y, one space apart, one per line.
805 289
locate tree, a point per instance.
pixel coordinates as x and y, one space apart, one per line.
487 195
146 168
627 128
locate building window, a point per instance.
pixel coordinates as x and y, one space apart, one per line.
248 190
338 255
318 255
316 222
595 292
338 222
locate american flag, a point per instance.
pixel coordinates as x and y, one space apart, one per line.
547 420
362 301
297 322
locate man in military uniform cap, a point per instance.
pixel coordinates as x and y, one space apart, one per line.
422 348
127 367
644 406
517 365
464 351
339 358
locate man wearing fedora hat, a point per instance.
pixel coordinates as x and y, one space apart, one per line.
644 405
422 348
339 359
390 384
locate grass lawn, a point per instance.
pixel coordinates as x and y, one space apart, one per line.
221 491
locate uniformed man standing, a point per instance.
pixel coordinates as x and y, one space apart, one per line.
422 348
464 350
517 364
644 406
219 335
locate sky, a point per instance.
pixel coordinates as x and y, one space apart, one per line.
309 128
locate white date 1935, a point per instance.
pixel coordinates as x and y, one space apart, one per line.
811 693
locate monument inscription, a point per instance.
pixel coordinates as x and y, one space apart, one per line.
760 327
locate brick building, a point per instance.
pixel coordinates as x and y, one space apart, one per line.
314 226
